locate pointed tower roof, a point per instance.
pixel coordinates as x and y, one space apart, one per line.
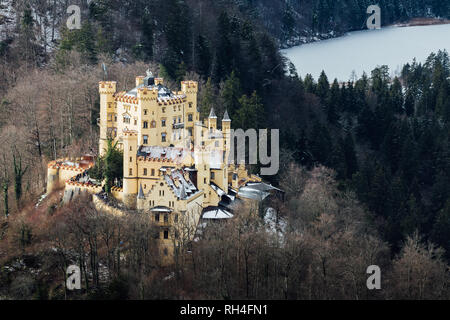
141 193
226 117
183 192
212 114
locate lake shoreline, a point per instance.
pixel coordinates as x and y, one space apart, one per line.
317 37
421 22
362 51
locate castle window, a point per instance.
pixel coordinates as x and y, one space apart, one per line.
163 137
212 176
131 148
164 110
157 217
174 120
166 236
145 139
131 159
109 104
190 132
145 125
131 172
190 104
190 117
145 172
145 186
163 122
174 108
126 119
135 122
166 252
145 112
153 172
153 124
204 180
179 119
115 118
166 218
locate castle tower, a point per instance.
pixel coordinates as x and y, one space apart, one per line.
52 179
212 120
130 169
148 103
190 89
226 132
107 90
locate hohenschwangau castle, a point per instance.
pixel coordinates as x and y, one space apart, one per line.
174 165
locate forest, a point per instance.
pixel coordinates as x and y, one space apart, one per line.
365 164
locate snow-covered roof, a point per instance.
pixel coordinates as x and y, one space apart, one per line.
256 191
164 93
170 153
262 186
161 209
251 193
219 191
181 185
217 214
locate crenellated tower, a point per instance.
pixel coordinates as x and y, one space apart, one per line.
130 168
107 91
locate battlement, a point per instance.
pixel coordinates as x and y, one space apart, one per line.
191 86
162 160
146 94
84 185
107 87
171 100
122 97
116 189
130 133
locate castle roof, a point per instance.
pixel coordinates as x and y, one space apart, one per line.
182 186
216 213
212 114
226 117
141 193
170 154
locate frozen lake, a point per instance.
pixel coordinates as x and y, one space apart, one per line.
365 50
